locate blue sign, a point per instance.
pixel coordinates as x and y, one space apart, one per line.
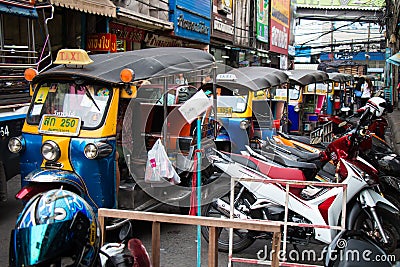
192 19
359 56
302 51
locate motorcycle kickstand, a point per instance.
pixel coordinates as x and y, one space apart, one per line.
380 228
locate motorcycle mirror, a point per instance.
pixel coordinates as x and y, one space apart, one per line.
125 232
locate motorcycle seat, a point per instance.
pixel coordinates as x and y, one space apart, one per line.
309 169
273 172
302 156
302 139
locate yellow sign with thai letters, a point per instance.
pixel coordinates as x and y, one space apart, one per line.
56 125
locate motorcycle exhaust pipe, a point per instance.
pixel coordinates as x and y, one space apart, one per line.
224 208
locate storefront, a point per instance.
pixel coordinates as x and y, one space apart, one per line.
75 19
222 31
127 38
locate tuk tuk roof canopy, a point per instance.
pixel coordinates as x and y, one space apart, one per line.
146 63
305 77
254 78
340 77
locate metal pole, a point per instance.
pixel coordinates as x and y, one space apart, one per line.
232 204
198 189
332 41
165 110
367 54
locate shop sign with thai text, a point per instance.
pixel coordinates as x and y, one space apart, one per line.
104 42
127 33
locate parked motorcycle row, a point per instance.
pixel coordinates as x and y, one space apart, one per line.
93 121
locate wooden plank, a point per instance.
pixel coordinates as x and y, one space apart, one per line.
255 225
276 246
212 247
155 244
102 230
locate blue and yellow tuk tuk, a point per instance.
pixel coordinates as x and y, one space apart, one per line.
243 107
93 119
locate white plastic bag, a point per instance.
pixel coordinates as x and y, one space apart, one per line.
159 166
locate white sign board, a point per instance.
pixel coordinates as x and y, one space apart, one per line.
196 105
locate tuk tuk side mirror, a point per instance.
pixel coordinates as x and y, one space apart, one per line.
260 94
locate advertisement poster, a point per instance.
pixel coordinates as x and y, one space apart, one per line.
262 20
280 18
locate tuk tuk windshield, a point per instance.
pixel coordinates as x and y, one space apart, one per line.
237 102
88 102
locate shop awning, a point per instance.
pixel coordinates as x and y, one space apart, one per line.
99 7
29 12
395 59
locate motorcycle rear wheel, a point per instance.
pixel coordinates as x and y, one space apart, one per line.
242 238
390 224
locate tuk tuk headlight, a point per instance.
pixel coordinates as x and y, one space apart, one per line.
16 144
51 151
90 151
97 150
244 124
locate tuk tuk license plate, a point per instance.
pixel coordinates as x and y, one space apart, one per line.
68 126
224 111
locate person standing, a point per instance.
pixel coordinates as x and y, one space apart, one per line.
366 91
181 79
358 92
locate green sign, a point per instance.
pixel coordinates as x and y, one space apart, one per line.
262 20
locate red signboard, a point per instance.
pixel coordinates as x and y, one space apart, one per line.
104 42
127 33
279 40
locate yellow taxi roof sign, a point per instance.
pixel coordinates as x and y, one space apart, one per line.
73 57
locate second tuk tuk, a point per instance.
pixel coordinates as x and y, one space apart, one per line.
243 109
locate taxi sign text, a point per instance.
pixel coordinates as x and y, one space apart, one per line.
73 57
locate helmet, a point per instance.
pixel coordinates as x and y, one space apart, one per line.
377 105
55 227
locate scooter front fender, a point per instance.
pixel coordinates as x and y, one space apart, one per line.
56 176
367 198
370 198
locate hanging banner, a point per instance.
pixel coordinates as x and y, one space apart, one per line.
262 20
102 42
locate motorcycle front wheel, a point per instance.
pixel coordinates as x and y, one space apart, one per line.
242 238
390 225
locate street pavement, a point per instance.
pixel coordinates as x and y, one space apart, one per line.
9 212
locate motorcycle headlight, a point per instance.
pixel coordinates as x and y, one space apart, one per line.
244 124
16 144
51 151
90 151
